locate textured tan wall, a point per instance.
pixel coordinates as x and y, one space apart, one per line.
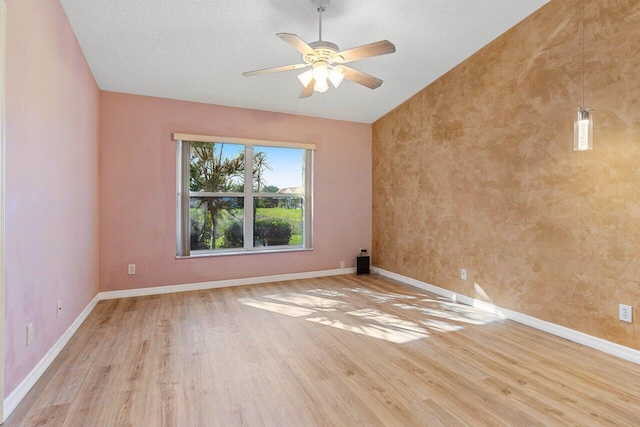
478 171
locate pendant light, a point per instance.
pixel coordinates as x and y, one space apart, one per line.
583 126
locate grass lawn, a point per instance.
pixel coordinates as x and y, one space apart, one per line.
280 213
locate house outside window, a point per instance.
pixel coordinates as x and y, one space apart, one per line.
228 205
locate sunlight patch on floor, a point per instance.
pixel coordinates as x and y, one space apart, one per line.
478 310
456 313
327 293
373 331
380 297
440 326
387 320
308 301
339 309
287 310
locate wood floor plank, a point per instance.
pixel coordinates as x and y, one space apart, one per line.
337 351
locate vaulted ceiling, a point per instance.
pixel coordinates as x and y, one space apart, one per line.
196 50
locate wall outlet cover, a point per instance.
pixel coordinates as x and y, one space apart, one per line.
463 274
626 313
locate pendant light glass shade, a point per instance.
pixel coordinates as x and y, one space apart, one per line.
321 86
335 77
306 77
320 72
583 130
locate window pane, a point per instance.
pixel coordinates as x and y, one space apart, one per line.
278 221
278 170
216 222
216 168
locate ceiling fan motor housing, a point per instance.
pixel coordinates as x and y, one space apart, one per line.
324 51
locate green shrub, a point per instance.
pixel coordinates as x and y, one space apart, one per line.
273 232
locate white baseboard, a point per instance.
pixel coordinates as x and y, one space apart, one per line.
221 284
16 396
604 346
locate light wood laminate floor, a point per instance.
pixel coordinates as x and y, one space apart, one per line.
344 351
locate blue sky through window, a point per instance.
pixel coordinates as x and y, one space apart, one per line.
286 164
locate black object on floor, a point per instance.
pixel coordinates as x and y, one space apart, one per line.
362 264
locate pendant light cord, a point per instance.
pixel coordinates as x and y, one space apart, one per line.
583 61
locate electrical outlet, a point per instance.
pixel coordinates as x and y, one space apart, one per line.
342 264
59 311
131 269
626 313
463 274
29 333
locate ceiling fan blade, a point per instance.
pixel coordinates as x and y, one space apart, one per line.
308 90
362 78
382 47
275 69
297 43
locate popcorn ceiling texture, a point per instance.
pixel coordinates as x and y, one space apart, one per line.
478 171
196 50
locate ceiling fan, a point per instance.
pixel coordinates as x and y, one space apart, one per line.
326 59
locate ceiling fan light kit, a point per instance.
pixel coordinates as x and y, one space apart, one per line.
326 59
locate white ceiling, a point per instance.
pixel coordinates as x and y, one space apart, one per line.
195 50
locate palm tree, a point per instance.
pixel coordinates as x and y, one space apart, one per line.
211 172
259 166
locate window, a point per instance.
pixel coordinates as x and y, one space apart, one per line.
225 207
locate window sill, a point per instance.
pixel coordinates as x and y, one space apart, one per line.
250 252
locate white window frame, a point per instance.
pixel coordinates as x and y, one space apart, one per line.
183 195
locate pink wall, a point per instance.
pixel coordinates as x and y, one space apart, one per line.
52 117
138 190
